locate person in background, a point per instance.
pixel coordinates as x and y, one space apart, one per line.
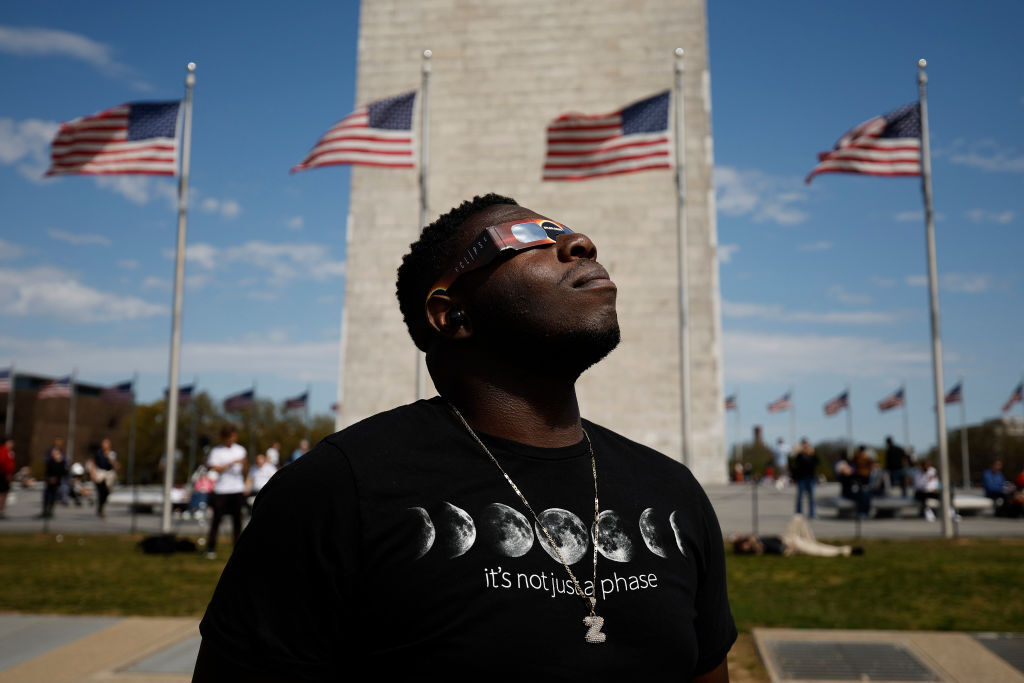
805 473
103 472
300 451
996 487
864 472
926 485
897 463
258 476
228 460
7 468
55 469
274 454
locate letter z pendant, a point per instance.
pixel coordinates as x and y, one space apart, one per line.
594 624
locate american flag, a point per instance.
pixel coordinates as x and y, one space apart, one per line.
730 402
635 138
335 407
885 145
297 402
956 394
138 137
838 403
185 394
6 379
1018 395
377 134
119 393
239 401
781 405
60 388
893 400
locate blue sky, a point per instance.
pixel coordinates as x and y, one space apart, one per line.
822 285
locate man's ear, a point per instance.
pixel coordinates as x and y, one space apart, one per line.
447 318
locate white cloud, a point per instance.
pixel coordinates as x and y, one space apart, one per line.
281 358
884 281
154 282
128 263
815 246
984 216
786 358
963 283
26 144
839 293
227 208
763 197
140 189
9 251
725 252
52 292
78 239
281 263
987 155
45 42
295 223
732 309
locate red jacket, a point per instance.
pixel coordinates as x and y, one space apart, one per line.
6 462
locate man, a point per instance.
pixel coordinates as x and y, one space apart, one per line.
7 467
274 454
228 460
996 487
805 473
55 469
103 472
897 463
259 475
451 538
299 451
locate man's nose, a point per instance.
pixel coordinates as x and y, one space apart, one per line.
575 245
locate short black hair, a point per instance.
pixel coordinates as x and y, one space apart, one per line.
428 257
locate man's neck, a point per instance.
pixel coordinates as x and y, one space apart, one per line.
530 410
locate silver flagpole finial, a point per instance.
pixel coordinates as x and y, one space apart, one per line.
922 63
679 52
427 54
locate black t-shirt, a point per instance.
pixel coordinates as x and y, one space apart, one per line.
397 544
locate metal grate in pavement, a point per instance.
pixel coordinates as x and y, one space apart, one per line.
836 661
1008 646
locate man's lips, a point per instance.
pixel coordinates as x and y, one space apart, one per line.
593 276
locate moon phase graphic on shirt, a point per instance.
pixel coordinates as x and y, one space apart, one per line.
455 530
651 533
425 539
678 532
612 540
568 533
504 530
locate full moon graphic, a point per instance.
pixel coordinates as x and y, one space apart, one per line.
651 533
677 531
425 538
455 530
568 533
612 540
504 530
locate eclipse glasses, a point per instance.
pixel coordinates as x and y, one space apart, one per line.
514 236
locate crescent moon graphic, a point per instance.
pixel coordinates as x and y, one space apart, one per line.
678 532
505 531
456 531
653 538
612 540
568 533
425 539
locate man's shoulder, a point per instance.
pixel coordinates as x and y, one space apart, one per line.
640 456
403 422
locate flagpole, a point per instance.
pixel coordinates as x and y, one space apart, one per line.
906 420
964 452
309 388
72 407
849 417
131 449
421 358
933 297
792 418
684 293
192 437
739 429
9 426
170 442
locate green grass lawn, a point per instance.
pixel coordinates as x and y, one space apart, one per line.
971 585
965 585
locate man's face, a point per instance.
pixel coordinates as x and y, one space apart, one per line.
550 306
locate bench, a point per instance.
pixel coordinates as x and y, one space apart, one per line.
889 506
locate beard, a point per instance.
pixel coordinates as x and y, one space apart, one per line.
535 345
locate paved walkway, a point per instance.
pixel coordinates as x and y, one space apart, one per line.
141 649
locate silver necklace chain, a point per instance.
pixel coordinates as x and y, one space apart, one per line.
593 622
